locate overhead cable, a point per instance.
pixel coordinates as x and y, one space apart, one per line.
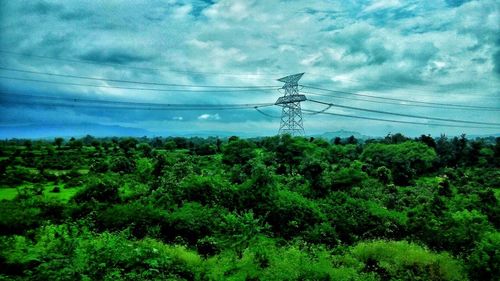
265 114
95 102
121 107
401 100
134 67
405 115
399 103
131 88
134 81
399 121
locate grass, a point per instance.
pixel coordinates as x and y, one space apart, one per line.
64 195
8 193
497 193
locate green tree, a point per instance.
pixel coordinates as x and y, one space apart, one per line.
76 144
351 140
28 144
406 160
192 222
127 145
463 229
395 139
290 213
428 140
58 142
291 151
122 164
238 152
100 190
383 174
144 169
146 149
96 144
484 261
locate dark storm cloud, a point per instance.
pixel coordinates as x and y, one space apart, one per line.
496 62
384 16
53 39
119 56
456 3
423 54
200 5
40 7
75 15
359 39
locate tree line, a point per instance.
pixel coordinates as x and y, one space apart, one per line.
274 208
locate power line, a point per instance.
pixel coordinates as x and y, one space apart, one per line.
111 107
136 82
248 88
389 85
398 121
402 100
412 88
400 103
136 104
132 67
130 88
249 75
405 115
321 111
266 114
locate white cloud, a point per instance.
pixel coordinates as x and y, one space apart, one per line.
381 4
229 9
183 11
207 116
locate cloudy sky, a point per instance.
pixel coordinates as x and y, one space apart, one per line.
435 52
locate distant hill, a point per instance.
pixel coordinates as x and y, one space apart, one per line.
39 131
483 136
204 134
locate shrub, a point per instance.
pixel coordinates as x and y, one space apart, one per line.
140 219
101 190
207 190
384 175
191 222
484 262
68 253
99 166
122 165
17 217
238 152
346 177
290 213
400 260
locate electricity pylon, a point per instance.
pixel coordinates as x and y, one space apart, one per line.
291 114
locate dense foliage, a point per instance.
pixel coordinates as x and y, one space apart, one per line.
277 208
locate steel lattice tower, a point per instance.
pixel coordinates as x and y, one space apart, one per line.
291 114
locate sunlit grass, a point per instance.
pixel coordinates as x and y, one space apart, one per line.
64 194
8 193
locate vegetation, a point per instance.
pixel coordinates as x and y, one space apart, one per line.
277 208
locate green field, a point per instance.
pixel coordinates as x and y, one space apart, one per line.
64 195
